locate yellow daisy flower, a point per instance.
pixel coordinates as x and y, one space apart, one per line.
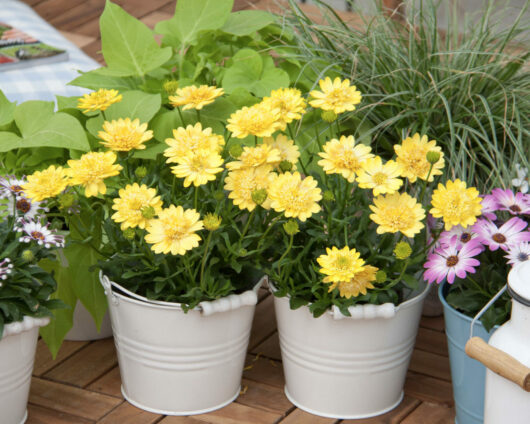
174 230
262 155
344 157
337 96
295 197
361 281
91 169
124 135
259 120
412 156
381 178
45 184
193 97
198 167
456 204
192 138
133 206
397 212
241 183
288 150
340 264
290 103
98 100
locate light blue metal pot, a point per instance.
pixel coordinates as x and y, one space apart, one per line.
467 374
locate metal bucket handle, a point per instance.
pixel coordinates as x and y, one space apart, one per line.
495 359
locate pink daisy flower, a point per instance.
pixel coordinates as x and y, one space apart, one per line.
11 186
516 204
6 267
511 232
448 262
518 253
461 234
489 207
35 231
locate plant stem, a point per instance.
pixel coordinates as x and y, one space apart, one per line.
196 199
181 117
203 263
425 184
291 238
198 115
247 225
255 140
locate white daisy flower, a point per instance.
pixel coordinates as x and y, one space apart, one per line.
522 178
35 231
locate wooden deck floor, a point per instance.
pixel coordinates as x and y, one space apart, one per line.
83 384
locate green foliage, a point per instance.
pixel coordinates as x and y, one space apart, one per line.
128 45
246 22
7 110
469 91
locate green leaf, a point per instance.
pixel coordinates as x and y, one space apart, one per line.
192 17
135 104
7 109
95 80
255 73
66 102
246 22
128 45
40 127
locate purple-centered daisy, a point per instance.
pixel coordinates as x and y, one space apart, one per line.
507 200
489 207
6 267
461 234
511 232
25 208
518 253
449 262
35 231
11 186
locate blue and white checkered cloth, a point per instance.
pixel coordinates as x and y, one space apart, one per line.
41 82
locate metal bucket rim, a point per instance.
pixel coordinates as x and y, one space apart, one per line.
404 305
157 304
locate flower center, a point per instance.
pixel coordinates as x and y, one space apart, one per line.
342 262
515 208
522 257
465 237
23 205
451 261
379 178
499 238
16 188
37 235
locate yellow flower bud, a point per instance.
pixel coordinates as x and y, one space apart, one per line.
433 157
129 233
66 200
140 172
236 150
28 255
291 227
285 166
328 116
380 276
328 196
402 250
148 212
259 196
170 87
212 221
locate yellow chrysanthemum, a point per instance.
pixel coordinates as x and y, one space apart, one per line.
124 135
290 103
381 178
91 169
98 100
412 156
174 230
337 96
397 212
344 157
193 97
295 197
340 264
259 120
241 183
456 204
361 281
288 150
45 184
262 155
132 205
198 167
190 139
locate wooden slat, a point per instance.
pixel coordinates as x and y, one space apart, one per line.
428 413
393 417
109 384
236 413
43 358
97 358
264 370
433 323
269 348
431 341
429 389
128 414
94 51
297 416
71 400
181 420
78 39
153 18
40 415
264 323
430 364
263 396
50 9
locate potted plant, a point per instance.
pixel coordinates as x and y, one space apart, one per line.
471 265
27 246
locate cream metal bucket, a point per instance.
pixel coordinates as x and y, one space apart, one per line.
84 328
348 367
177 363
17 355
